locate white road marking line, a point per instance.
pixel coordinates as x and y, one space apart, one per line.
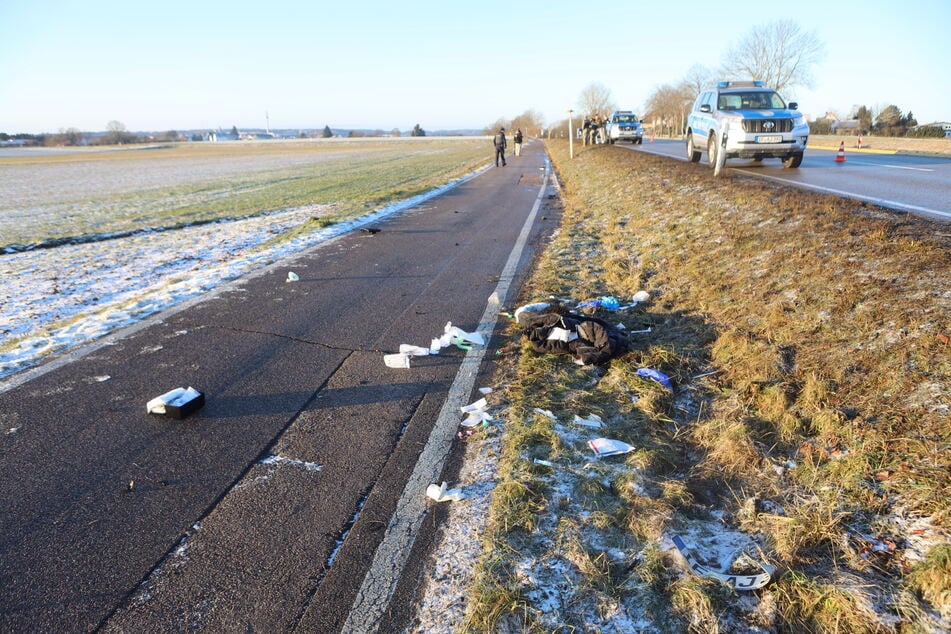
838 192
391 556
914 169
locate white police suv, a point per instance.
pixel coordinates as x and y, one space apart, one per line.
746 120
625 126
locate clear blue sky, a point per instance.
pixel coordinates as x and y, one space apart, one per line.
177 64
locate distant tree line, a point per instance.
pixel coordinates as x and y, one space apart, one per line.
530 122
115 134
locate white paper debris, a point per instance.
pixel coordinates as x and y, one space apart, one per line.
476 418
439 493
178 396
593 420
544 463
413 351
462 335
740 582
435 346
537 307
545 412
292 277
485 390
561 334
396 360
481 404
603 447
494 298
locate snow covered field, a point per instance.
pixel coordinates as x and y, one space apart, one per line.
53 300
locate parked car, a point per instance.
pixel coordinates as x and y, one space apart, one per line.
746 120
623 125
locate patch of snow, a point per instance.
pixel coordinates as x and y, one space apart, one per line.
58 299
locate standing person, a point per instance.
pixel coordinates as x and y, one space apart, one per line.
499 142
518 142
586 126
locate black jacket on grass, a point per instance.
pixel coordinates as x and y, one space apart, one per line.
597 341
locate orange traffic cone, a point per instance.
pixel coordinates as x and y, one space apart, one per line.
840 157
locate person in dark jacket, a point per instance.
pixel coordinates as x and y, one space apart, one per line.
500 144
517 139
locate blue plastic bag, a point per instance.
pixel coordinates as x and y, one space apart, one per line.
660 377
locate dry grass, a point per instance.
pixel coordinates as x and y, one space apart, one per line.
808 340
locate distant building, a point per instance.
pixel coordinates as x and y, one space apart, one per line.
944 125
850 126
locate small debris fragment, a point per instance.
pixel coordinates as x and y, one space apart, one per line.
439 493
604 447
593 420
656 375
738 581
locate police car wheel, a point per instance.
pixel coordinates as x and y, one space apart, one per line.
693 154
712 149
793 160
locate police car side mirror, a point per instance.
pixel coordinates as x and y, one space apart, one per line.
705 108
793 105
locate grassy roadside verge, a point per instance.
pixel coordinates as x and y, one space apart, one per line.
808 339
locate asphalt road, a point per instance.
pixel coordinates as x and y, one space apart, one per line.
263 511
918 184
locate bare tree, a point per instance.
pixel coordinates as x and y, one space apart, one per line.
529 122
595 99
778 53
667 107
698 77
115 132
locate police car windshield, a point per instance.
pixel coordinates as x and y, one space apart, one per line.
626 118
761 100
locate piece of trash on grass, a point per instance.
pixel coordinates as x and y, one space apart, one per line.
413 351
604 447
639 332
537 307
593 420
396 360
177 403
485 390
656 375
738 581
475 418
547 413
481 404
292 277
607 302
439 493
544 463
476 414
